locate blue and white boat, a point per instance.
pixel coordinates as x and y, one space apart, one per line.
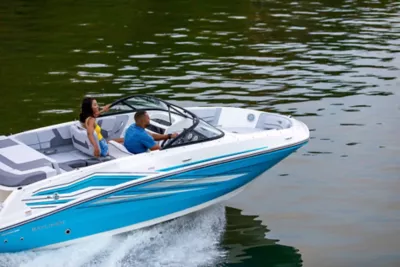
54 192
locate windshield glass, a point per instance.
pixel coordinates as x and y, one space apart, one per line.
118 108
202 132
145 102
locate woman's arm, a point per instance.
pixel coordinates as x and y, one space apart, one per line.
105 108
90 123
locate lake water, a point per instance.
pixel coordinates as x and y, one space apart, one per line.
333 64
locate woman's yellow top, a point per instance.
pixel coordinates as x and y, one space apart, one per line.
97 129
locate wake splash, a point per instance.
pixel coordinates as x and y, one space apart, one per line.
193 240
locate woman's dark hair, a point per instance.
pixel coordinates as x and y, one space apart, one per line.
86 109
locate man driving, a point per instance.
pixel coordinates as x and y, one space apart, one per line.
138 140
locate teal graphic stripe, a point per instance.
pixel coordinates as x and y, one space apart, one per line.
96 180
210 159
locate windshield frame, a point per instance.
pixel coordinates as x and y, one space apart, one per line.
171 108
186 113
191 129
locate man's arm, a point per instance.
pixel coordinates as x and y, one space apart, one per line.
158 137
155 147
149 142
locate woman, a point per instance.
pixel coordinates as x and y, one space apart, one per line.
89 112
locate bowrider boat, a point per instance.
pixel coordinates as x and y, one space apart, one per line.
54 192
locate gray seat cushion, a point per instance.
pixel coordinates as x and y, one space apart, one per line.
10 179
22 165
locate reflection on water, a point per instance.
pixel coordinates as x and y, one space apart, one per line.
247 244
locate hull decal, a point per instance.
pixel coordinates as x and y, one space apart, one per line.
193 181
53 202
210 159
113 199
94 181
286 149
141 174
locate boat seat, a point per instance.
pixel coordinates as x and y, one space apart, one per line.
81 141
118 150
46 139
23 165
210 115
81 163
112 126
269 121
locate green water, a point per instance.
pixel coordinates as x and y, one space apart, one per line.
332 64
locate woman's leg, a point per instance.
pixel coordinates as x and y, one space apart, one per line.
103 147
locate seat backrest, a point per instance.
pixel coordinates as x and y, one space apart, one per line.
80 139
20 164
113 126
268 121
46 138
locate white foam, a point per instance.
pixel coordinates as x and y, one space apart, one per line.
193 240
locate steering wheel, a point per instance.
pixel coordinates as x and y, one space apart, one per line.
168 141
164 142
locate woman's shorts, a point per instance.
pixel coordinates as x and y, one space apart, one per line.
103 147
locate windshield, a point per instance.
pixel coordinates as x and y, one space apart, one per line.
200 133
144 102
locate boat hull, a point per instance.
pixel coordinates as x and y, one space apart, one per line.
143 204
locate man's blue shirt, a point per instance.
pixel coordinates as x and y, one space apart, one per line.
137 140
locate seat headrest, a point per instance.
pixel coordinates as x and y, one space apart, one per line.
80 139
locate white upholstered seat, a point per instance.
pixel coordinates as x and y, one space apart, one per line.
118 150
80 139
22 165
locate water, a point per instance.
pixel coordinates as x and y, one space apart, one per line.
214 237
332 64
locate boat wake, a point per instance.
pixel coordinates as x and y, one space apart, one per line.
193 240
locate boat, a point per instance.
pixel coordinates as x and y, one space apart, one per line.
54 192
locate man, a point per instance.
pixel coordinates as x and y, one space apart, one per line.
137 140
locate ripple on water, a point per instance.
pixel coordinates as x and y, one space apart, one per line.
56 111
94 74
146 56
93 65
128 67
